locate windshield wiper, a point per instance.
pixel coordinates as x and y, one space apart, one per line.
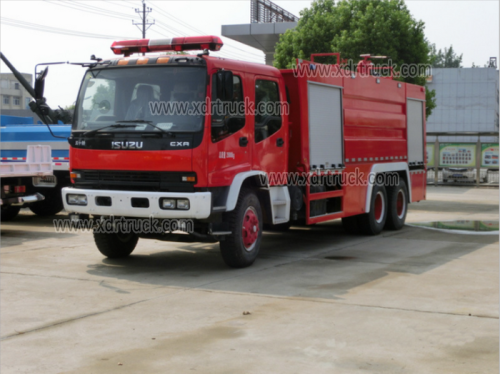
150 123
118 125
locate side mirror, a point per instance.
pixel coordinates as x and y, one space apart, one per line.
40 83
225 85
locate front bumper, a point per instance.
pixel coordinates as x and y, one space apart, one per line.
121 203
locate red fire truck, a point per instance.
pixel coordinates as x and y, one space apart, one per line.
348 146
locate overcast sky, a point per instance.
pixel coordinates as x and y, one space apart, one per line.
472 27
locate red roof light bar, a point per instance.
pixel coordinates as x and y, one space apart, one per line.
187 43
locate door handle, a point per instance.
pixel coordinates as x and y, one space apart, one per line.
243 141
280 142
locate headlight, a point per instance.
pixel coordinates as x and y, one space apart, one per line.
183 204
74 199
168 203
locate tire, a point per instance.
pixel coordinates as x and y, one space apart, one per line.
350 225
116 245
445 180
9 212
372 223
240 249
397 206
51 205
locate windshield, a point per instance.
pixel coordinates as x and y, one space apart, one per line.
152 99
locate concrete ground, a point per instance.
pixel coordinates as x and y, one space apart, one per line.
320 301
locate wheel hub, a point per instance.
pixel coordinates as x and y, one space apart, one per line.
250 229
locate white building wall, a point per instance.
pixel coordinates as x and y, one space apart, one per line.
467 100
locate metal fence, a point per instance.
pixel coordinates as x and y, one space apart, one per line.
467 163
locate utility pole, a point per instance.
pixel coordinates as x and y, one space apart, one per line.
145 24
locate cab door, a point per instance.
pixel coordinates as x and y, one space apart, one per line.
229 152
270 127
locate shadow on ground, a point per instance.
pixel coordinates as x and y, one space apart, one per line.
320 261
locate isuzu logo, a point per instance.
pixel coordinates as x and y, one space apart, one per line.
179 144
126 145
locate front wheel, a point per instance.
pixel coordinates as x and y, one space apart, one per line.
373 222
116 245
241 247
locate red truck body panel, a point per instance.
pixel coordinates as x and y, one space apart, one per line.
374 128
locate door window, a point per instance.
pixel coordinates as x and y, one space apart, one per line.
227 117
268 109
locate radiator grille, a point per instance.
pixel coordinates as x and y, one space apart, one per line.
134 180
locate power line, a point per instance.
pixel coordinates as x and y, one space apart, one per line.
241 54
56 30
76 6
118 3
179 33
173 31
194 29
101 10
229 42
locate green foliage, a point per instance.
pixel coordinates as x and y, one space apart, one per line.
446 59
355 27
430 101
69 107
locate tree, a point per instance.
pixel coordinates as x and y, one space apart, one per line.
446 59
355 27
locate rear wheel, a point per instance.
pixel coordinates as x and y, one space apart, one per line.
52 204
373 222
9 212
116 245
241 247
397 206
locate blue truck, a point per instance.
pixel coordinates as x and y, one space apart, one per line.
17 133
